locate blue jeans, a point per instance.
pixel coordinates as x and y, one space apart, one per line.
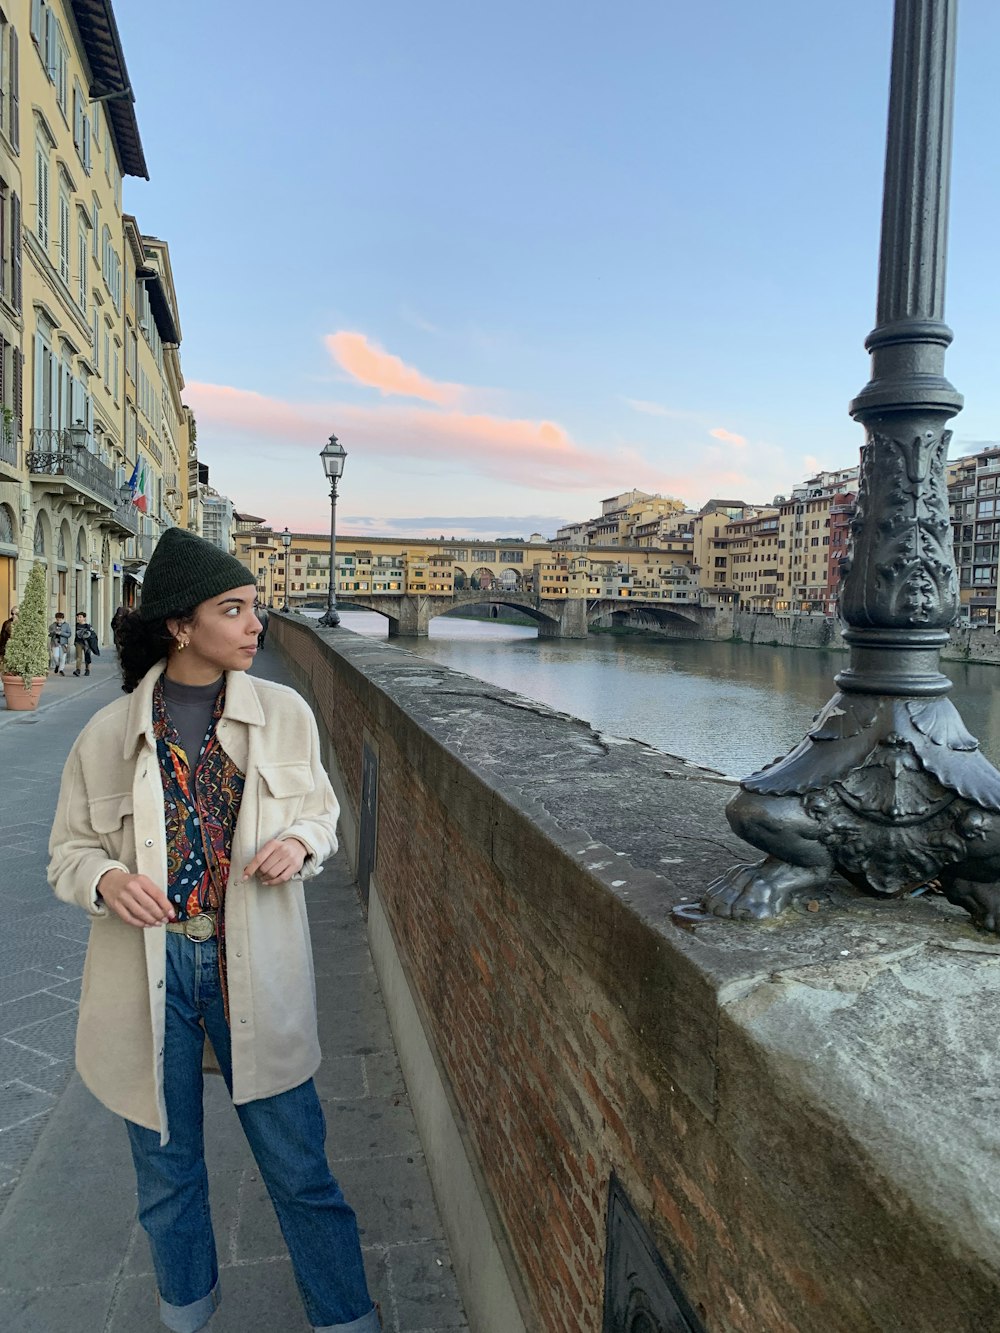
286 1134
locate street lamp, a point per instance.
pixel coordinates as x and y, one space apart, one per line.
272 560
333 455
78 435
888 787
286 541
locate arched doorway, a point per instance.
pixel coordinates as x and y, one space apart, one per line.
482 578
81 575
105 607
8 561
461 578
64 542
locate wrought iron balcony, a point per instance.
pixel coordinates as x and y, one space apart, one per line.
61 458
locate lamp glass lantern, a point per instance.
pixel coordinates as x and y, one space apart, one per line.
333 455
78 434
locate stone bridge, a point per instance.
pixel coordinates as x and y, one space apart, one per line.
410 614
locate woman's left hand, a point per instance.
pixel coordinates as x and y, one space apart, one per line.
278 861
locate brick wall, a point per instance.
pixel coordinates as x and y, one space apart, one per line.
581 1033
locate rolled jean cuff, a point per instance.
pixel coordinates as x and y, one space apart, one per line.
190 1318
368 1323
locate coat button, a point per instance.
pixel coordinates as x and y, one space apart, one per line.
159 985
149 842
242 1020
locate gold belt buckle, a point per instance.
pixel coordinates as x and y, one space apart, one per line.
200 927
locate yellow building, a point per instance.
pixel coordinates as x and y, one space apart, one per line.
805 541
710 544
756 570
462 564
75 149
80 402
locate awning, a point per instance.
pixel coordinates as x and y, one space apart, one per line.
137 574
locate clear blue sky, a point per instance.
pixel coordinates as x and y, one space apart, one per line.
522 256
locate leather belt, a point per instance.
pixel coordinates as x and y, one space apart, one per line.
198 928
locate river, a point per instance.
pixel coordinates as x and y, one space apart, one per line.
730 706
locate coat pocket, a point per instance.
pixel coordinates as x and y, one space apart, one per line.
111 820
287 780
283 789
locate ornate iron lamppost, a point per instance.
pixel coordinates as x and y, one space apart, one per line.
333 455
286 541
889 788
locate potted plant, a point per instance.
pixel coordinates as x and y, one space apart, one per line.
26 659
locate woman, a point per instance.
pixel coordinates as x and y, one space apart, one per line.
188 817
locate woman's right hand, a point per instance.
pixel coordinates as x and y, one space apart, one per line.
135 898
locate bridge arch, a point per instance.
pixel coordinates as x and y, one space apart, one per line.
620 611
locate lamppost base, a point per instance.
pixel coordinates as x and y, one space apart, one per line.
330 618
891 791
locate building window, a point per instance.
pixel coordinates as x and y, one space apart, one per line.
64 237
81 127
42 193
82 259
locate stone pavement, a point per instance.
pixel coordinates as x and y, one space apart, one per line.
72 1256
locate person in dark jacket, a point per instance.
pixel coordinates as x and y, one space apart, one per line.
6 629
83 640
59 637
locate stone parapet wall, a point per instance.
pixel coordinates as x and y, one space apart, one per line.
803 1115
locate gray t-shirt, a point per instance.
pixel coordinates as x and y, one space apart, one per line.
190 709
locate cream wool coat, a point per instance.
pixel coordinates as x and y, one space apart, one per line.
110 815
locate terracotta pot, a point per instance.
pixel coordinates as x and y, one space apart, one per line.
17 697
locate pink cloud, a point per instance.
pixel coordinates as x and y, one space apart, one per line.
370 364
720 433
536 454
254 444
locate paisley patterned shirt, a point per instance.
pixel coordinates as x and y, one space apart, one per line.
201 803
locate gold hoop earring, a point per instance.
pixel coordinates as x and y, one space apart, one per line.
181 645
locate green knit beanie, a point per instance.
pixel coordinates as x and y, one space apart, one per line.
184 570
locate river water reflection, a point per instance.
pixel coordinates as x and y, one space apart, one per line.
731 706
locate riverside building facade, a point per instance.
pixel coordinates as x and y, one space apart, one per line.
89 377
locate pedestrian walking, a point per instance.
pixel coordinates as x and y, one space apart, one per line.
83 641
190 812
264 619
6 628
59 637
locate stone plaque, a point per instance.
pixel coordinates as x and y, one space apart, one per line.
640 1293
367 833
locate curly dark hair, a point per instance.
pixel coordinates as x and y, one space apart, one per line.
142 643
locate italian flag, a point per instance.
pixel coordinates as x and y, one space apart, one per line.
139 485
